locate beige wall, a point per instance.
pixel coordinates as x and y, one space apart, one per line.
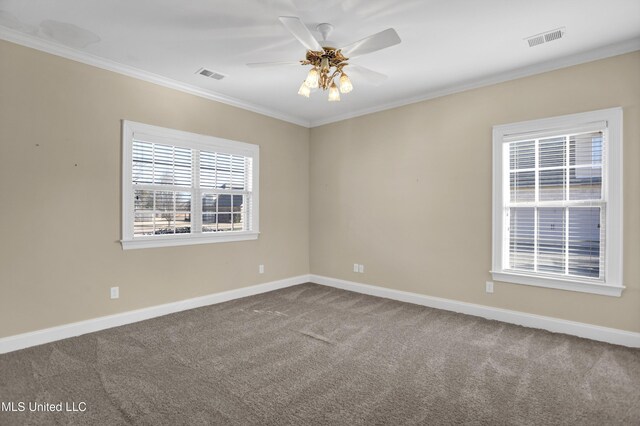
60 174
407 192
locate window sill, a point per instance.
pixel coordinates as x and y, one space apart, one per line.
186 240
558 283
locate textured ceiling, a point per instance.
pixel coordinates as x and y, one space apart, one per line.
447 45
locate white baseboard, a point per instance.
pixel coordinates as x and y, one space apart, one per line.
594 332
21 341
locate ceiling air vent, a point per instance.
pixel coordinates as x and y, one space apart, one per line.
534 41
545 37
210 74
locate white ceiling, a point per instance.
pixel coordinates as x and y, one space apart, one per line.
447 45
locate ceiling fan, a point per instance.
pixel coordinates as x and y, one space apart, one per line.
328 62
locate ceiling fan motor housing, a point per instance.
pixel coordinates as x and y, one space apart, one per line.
325 29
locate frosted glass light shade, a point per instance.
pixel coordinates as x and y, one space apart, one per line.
345 84
304 90
312 78
334 94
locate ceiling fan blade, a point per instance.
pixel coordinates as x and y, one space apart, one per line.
271 64
378 41
301 32
370 76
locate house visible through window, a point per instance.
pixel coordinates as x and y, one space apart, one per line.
182 188
557 202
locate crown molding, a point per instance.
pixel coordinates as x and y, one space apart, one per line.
564 62
53 48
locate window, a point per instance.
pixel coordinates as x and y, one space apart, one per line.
557 202
181 188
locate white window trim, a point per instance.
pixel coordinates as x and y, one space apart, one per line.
612 193
188 140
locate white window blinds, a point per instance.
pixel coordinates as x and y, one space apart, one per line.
556 213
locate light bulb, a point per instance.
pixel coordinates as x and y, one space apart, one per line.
334 94
312 78
304 90
345 84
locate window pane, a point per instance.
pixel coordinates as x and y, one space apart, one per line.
223 171
237 172
522 155
586 149
237 222
224 222
143 200
552 152
164 201
237 203
207 169
183 212
522 186
183 167
143 205
224 206
551 240
209 213
183 202
552 184
142 171
163 164
164 223
209 222
584 241
183 223
210 203
224 203
143 224
585 183
521 234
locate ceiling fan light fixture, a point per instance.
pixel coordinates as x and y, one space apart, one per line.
312 78
345 84
304 90
334 93
328 62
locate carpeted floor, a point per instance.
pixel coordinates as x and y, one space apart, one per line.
311 354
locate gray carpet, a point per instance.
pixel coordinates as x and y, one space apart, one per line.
311 354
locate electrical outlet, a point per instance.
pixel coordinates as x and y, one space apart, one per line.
361 269
355 267
115 292
261 269
489 287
